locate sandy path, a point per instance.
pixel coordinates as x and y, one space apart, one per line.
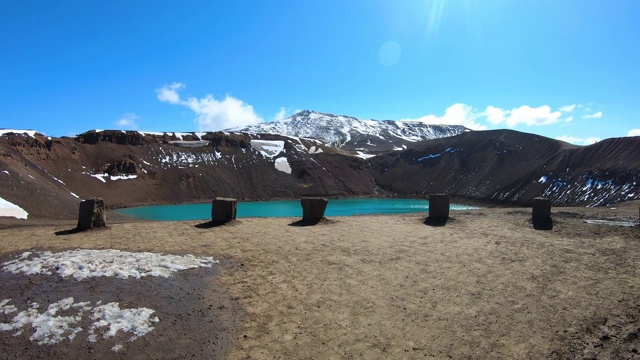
486 285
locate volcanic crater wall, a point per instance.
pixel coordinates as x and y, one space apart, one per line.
47 177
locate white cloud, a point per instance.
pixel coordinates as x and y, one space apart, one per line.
128 121
578 140
495 115
634 132
456 114
281 115
597 115
211 113
533 116
169 93
568 108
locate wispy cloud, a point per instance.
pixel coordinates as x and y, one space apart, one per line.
280 115
597 115
128 122
568 108
634 132
578 140
456 114
169 93
211 113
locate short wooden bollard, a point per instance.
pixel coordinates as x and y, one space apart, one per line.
223 210
313 209
439 207
541 214
91 214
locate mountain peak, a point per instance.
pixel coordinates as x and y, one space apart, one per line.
353 134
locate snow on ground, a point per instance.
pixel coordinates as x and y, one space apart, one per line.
82 264
191 144
31 133
74 195
180 135
6 172
362 155
268 148
283 165
123 177
12 210
315 150
50 327
60 321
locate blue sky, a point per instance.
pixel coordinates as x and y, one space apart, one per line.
560 68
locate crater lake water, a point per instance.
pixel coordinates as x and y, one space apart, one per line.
284 208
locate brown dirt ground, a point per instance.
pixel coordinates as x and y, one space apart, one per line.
486 285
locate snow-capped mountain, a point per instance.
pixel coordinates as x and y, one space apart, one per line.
350 133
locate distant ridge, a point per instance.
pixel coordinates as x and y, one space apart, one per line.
353 134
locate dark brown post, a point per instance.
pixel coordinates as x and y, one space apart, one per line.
439 207
91 214
313 209
223 210
541 214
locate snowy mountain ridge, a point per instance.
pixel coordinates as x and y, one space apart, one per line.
350 133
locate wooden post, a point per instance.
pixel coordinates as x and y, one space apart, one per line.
313 209
91 214
439 207
223 210
541 214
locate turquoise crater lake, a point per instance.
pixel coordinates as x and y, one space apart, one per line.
284 208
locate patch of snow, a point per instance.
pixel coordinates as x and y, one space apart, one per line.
31 133
611 222
51 327
362 155
74 195
82 264
99 176
12 210
190 144
268 148
110 316
543 179
283 165
6 172
123 177
7 309
315 150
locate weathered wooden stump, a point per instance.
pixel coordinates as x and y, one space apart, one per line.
91 214
438 208
541 214
223 210
313 209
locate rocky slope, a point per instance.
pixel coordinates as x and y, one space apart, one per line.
512 167
352 134
47 177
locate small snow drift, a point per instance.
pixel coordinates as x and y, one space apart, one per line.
50 327
282 164
12 210
268 148
83 264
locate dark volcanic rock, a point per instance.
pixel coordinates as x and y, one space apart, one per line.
112 136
